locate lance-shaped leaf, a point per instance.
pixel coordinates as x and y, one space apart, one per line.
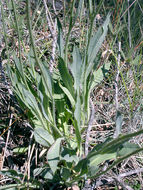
44 102
53 155
77 115
127 148
66 77
95 44
47 80
79 9
100 74
76 68
32 104
70 97
60 40
19 66
43 137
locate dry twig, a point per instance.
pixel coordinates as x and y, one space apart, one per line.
117 131
7 139
30 152
129 26
52 27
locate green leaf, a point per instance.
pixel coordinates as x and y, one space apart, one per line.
29 99
82 167
69 155
95 44
114 152
136 60
100 146
44 102
20 186
37 171
26 98
111 146
12 174
60 39
77 116
31 62
58 93
65 174
92 170
48 109
19 66
87 97
100 74
10 187
95 160
32 104
47 80
43 137
100 158
76 67
79 9
53 155
66 77
68 94
77 113
127 148
20 150
119 121
90 7
45 172
60 106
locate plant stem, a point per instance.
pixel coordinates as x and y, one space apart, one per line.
89 127
38 63
129 26
71 24
115 142
4 31
18 31
126 89
117 162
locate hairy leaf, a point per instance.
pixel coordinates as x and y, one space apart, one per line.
53 155
43 137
